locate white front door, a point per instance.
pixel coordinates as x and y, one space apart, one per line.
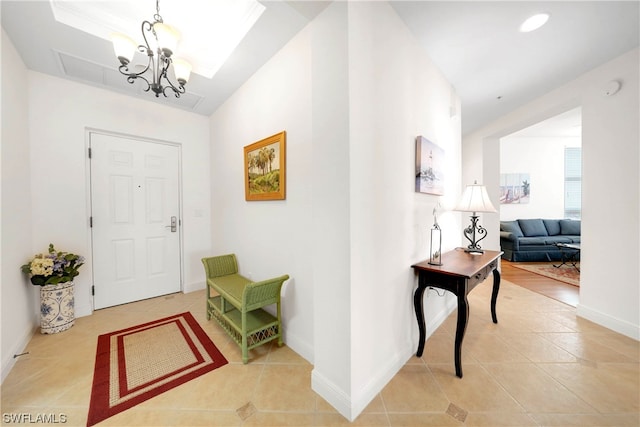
135 214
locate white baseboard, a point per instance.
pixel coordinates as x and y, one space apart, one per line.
303 348
366 394
8 359
192 287
609 322
332 394
352 406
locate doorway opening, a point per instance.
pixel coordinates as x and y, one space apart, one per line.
541 179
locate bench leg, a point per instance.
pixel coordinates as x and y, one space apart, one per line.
207 302
279 314
245 350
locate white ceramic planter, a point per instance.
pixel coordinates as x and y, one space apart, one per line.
57 311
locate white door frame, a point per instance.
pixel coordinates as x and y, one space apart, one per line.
88 132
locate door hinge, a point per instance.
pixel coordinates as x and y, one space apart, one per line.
89 152
93 290
90 222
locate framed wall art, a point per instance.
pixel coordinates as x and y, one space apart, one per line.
515 188
265 169
429 167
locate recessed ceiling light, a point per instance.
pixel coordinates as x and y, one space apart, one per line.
534 22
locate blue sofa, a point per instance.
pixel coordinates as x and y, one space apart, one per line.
536 239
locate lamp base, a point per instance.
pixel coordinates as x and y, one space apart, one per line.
471 233
474 251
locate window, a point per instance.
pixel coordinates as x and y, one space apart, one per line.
572 182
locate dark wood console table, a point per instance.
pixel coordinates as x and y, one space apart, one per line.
459 273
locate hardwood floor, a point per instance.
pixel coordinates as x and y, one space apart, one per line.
546 286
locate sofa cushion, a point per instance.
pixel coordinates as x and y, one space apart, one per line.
532 227
570 227
511 227
552 226
527 241
553 240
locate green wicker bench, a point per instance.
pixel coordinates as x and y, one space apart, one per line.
238 305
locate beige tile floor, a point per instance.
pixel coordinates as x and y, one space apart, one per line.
540 366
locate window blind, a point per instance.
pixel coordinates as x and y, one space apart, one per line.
572 182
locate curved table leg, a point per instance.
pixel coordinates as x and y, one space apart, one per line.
494 294
461 327
417 303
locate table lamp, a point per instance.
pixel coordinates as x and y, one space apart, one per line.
475 199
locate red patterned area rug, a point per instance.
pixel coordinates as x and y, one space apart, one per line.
138 363
566 273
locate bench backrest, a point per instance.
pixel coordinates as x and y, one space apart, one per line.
259 294
222 265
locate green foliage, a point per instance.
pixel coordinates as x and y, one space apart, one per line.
53 268
267 183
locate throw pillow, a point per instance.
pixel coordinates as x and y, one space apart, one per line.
570 227
533 227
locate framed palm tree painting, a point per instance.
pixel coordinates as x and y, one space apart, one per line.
265 169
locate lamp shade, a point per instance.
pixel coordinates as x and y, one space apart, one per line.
475 199
124 47
167 38
182 70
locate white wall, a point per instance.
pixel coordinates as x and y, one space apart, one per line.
17 296
609 291
331 237
543 159
59 167
396 93
353 90
270 238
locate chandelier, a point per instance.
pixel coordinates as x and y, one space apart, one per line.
164 40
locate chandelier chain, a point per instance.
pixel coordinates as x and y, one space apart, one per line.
157 16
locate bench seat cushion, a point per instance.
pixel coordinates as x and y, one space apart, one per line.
231 287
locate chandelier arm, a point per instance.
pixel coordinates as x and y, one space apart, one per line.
177 89
124 69
131 77
142 48
131 80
